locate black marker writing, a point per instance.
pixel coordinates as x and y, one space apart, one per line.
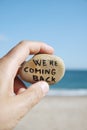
40 71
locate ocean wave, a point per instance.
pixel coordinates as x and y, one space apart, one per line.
73 92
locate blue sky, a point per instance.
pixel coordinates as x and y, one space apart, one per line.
60 23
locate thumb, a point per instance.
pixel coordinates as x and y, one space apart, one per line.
31 96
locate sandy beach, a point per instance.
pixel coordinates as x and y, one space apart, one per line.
57 113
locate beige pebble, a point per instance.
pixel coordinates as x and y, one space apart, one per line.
49 68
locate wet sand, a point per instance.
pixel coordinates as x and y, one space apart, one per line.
57 113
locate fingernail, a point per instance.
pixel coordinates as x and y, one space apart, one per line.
45 87
21 90
50 47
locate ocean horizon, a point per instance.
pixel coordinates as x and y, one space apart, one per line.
74 83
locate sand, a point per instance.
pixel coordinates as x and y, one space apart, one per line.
57 113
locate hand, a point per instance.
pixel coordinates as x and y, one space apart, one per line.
15 99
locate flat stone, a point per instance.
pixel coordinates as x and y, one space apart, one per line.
43 67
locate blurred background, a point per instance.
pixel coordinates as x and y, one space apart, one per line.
63 25
60 23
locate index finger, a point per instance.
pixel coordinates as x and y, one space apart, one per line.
20 52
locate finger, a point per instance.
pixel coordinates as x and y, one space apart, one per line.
19 53
31 97
19 86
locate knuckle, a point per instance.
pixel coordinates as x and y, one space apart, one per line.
23 42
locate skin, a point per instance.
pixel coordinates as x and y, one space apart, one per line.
15 99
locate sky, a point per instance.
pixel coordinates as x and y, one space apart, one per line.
60 23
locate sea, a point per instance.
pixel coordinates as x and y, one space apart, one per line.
74 83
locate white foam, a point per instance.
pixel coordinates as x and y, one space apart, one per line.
73 92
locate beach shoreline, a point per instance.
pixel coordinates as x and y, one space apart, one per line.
57 113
